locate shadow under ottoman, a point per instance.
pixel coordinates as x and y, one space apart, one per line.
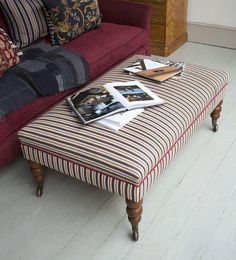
129 161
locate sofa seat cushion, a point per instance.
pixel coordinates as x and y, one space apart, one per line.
108 45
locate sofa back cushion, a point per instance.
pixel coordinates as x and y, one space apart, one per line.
8 54
25 19
69 19
3 24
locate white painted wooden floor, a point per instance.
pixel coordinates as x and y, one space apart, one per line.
189 214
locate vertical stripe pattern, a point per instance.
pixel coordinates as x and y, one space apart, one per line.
129 161
25 19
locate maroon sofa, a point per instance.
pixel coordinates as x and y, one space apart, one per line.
124 31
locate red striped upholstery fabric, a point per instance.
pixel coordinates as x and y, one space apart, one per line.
126 162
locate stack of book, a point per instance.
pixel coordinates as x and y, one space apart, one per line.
100 103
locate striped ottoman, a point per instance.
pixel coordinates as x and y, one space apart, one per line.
129 161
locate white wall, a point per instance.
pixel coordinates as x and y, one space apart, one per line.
216 12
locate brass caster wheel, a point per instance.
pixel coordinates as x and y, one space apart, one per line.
39 191
214 126
135 235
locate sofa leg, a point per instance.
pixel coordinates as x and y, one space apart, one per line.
215 114
37 171
134 211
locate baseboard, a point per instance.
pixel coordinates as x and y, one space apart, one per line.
212 34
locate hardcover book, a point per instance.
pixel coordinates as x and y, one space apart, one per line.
159 74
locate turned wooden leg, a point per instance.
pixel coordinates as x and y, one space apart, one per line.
37 171
215 114
134 211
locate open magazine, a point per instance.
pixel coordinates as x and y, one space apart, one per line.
96 103
156 70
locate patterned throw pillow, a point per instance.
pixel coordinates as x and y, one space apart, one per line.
25 20
8 54
68 19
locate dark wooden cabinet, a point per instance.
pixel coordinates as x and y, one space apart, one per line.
168 25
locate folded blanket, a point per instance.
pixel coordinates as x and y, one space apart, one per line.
44 70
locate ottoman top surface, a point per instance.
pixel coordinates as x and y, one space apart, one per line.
131 153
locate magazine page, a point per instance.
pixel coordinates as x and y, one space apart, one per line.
93 104
117 121
133 94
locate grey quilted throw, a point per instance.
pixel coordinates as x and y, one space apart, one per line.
44 70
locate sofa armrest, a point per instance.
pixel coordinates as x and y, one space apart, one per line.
128 13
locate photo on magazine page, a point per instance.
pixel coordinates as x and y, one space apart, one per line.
95 103
133 93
